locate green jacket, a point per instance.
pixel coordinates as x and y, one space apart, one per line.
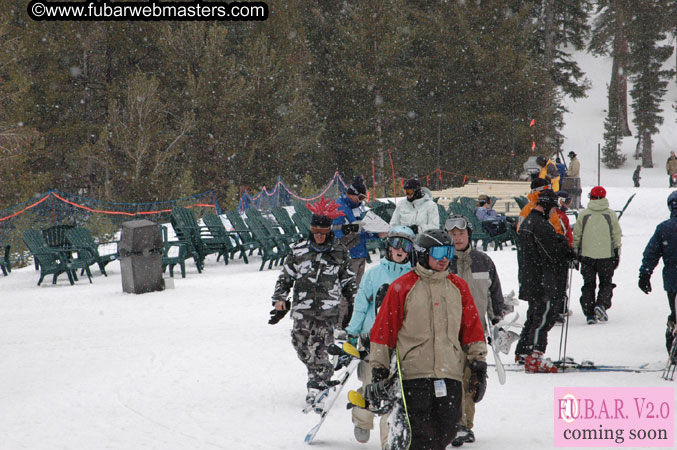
597 232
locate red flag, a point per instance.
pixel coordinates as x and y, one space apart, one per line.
532 123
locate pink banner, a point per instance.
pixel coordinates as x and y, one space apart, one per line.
614 417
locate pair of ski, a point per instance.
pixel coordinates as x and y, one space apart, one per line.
587 366
328 397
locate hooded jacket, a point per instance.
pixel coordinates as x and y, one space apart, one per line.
597 231
663 244
574 168
422 212
431 319
364 311
478 270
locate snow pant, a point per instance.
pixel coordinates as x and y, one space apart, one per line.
591 269
467 420
669 329
541 317
636 183
434 420
357 265
311 337
364 418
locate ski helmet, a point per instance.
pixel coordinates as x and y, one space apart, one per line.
547 199
597 192
428 240
402 237
672 200
541 160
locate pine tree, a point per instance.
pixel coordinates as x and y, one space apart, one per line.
647 55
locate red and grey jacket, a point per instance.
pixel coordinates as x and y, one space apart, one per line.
431 318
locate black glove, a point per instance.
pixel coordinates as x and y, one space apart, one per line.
276 316
379 374
350 228
617 258
414 228
645 282
478 380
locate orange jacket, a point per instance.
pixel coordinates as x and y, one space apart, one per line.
533 198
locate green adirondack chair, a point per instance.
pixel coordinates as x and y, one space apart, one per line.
286 223
220 234
243 232
53 261
272 250
171 261
81 237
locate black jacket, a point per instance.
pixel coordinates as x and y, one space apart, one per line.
541 255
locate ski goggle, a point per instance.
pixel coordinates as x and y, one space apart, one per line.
317 230
458 222
439 253
398 242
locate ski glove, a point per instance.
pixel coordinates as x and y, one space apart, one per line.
276 316
645 282
478 380
350 228
617 258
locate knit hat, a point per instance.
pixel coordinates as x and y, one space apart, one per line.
357 188
597 192
412 183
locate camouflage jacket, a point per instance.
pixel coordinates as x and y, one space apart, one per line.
318 278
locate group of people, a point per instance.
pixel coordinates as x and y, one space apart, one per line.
670 168
429 301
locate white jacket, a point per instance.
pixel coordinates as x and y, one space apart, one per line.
422 212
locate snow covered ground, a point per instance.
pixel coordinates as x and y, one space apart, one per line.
197 367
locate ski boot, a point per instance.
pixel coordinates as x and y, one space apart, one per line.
519 359
536 363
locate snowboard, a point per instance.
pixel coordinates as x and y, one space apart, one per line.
501 341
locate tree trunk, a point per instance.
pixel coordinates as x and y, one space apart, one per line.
545 129
619 81
647 161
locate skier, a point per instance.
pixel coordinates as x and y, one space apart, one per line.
663 244
541 255
399 245
635 176
478 270
548 169
429 317
352 206
319 271
671 168
537 186
417 211
597 240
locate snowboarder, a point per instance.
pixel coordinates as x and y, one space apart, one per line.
429 317
597 241
663 244
319 271
397 262
541 255
352 206
417 211
478 270
635 176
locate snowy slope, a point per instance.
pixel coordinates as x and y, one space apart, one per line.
197 367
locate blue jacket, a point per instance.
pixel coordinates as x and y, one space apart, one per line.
663 244
483 214
562 169
353 212
364 311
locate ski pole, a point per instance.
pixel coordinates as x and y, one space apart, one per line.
566 319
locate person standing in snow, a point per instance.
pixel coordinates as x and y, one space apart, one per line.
417 211
351 204
597 241
319 272
549 170
635 176
429 318
671 168
663 244
574 166
478 270
399 247
541 255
